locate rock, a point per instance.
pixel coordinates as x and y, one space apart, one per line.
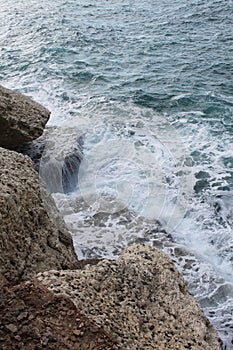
141 299
49 322
11 327
3 282
33 236
21 119
57 155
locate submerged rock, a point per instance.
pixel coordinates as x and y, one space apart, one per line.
141 299
21 119
31 317
33 236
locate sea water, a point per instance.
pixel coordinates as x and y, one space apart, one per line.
148 88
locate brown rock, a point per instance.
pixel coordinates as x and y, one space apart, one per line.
52 322
141 299
3 282
33 236
12 328
21 119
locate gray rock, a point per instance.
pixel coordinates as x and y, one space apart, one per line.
21 119
141 299
57 155
33 236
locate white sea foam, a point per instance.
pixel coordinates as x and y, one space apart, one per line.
176 168
137 169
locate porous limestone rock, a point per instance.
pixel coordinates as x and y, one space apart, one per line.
31 317
21 119
141 299
33 236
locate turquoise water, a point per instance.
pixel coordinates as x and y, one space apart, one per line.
149 86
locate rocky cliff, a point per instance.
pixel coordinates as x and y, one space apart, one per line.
138 302
21 119
141 299
33 235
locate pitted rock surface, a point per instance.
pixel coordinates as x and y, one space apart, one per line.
33 236
141 299
21 119
33 318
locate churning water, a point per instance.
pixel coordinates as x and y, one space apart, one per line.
147 88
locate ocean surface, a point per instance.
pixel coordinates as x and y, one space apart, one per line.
146 88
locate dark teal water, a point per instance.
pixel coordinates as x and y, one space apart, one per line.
154 79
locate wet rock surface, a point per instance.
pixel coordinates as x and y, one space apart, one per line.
57 155
33 236
31 318
21 119
141 299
